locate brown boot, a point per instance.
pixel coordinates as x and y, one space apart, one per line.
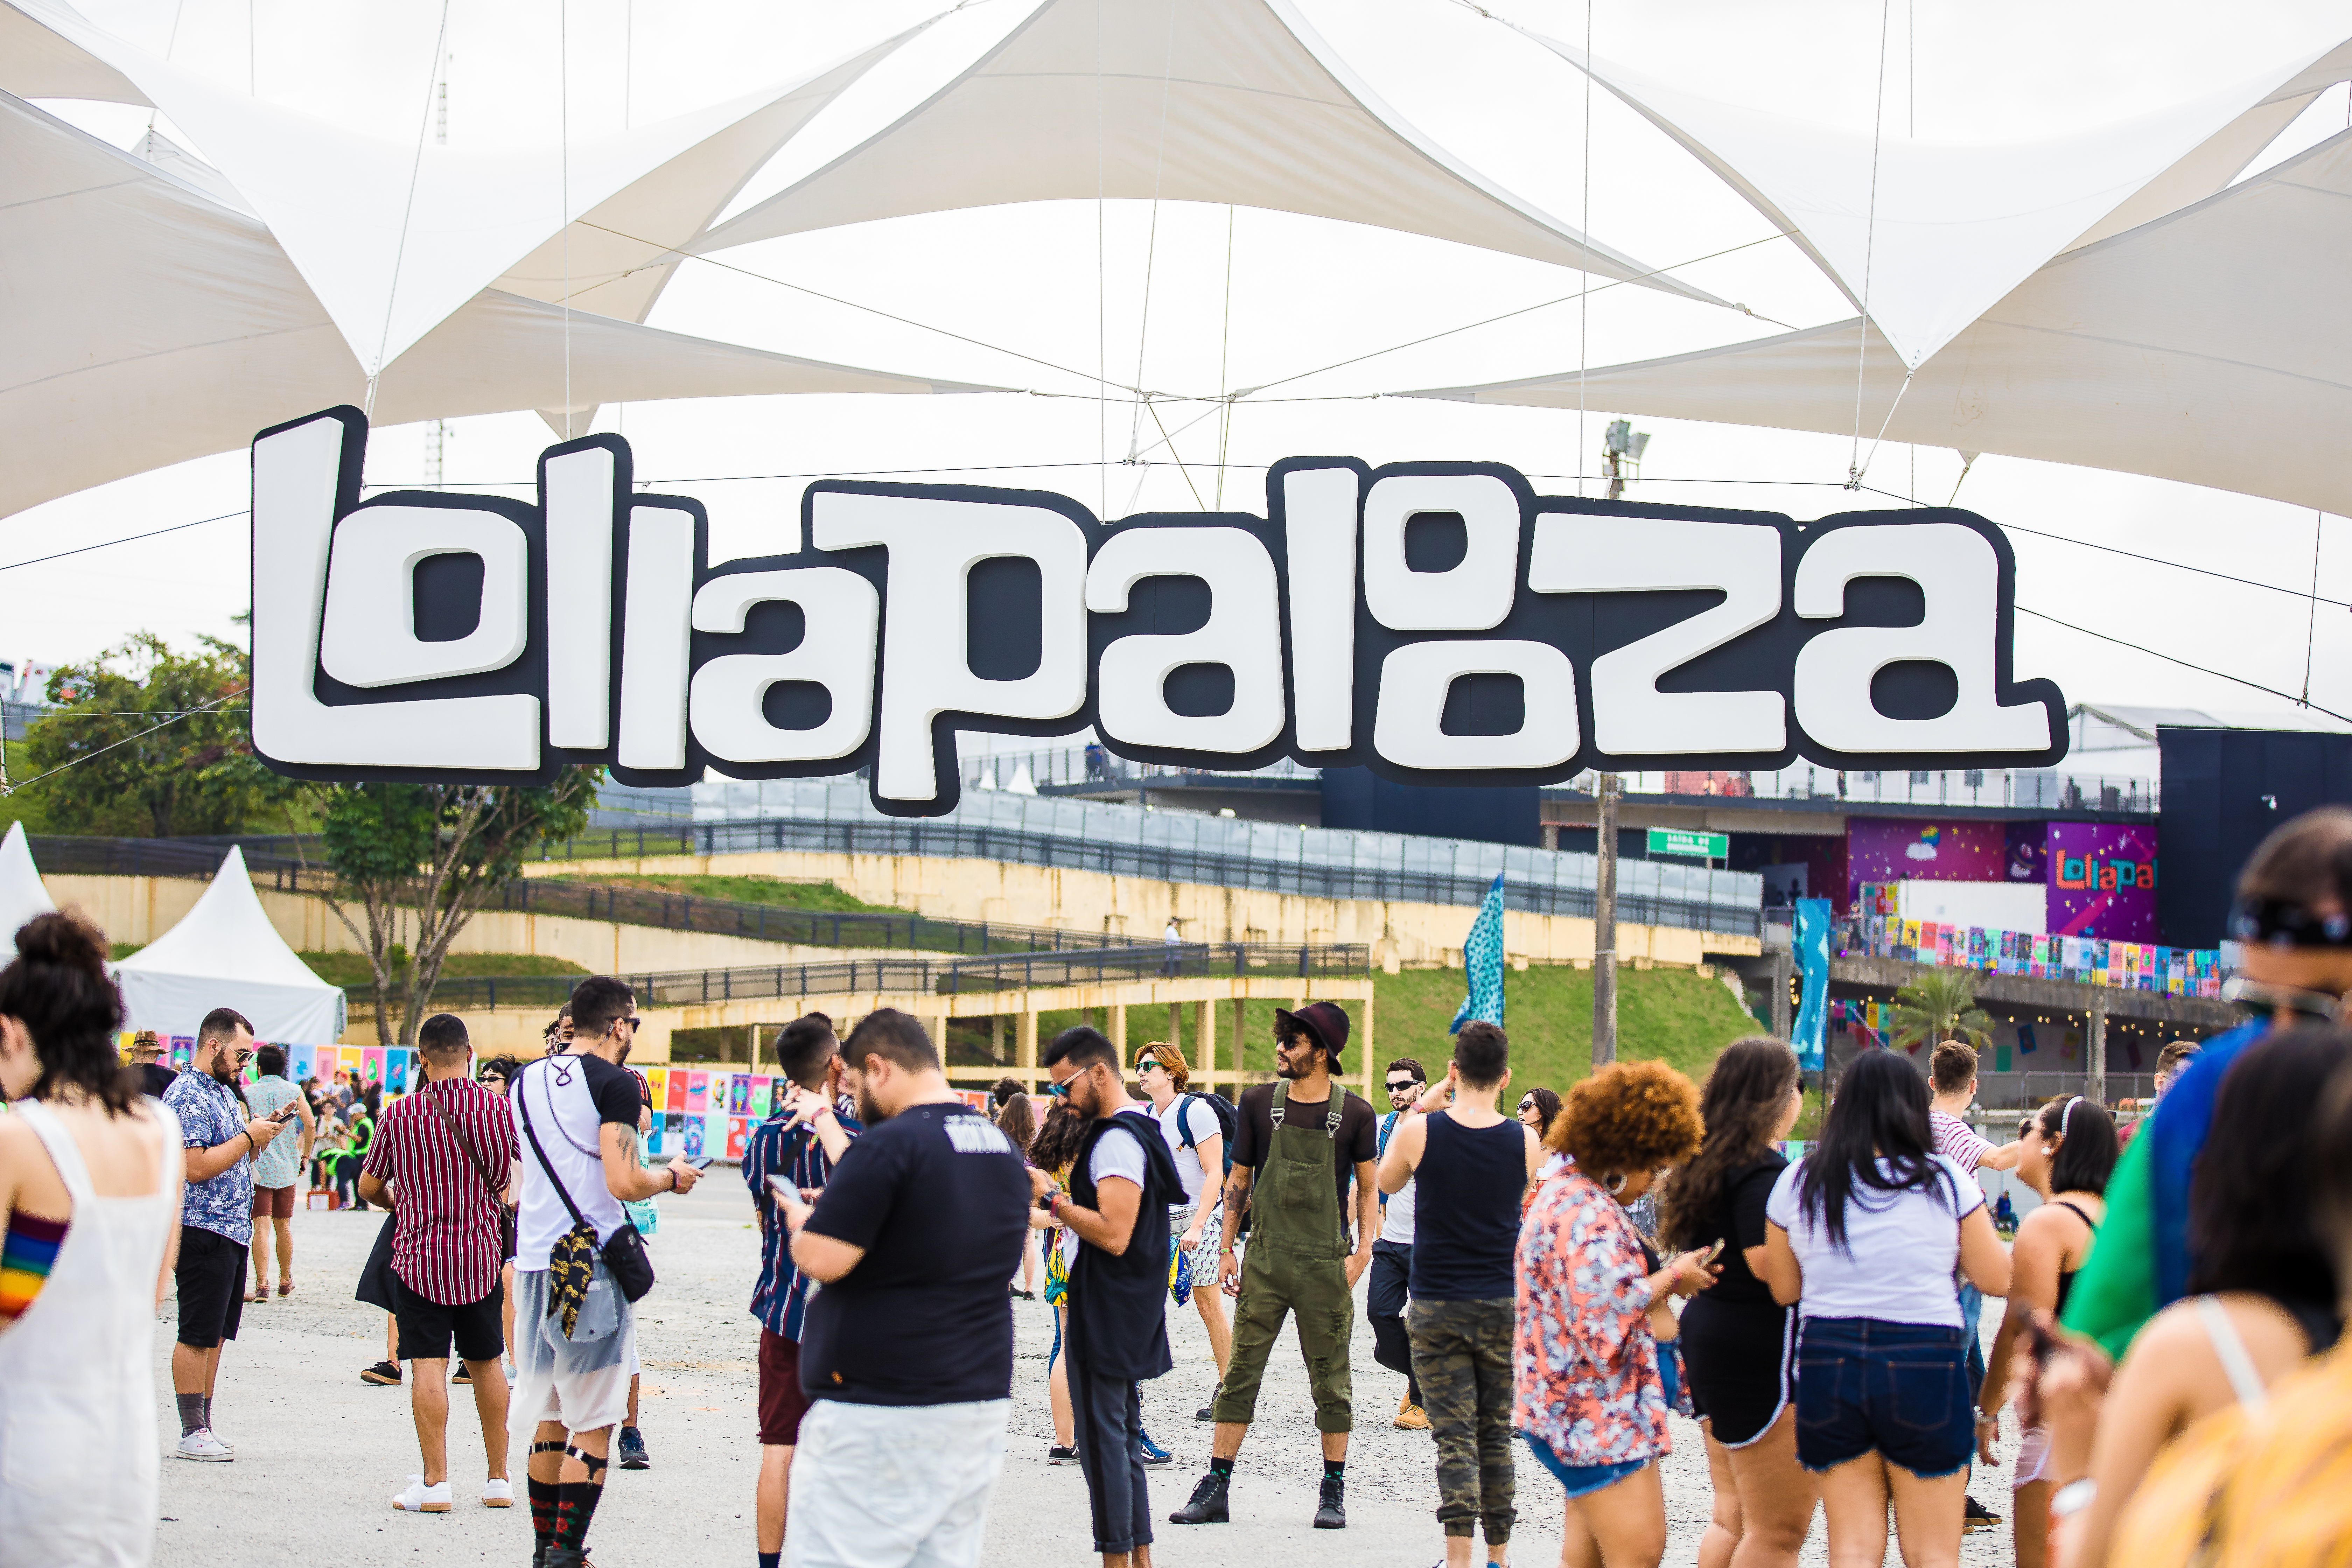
1411 1418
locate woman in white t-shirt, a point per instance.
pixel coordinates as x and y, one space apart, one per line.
1864 1236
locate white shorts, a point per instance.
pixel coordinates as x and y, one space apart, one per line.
893 1486
581 1382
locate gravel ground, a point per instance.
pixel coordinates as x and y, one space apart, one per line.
320 1453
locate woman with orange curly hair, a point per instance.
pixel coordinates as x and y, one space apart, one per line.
1589 1393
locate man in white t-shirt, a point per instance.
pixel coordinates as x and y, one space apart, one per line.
1384 1302
578 1113
1197 1139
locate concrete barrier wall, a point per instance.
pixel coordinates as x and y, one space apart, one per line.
140 908
972 889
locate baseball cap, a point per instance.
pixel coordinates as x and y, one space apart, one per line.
1323 1020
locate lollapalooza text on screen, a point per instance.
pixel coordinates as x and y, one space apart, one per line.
1440 622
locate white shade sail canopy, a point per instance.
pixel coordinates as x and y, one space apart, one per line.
225 953
2212 346
173 326
1926 235
393 237
1228 101
22 896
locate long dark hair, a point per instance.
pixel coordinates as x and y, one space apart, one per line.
2251 1225
1880 1112
58 989
1547 1106
2086 1148
1057 1140
1741 1103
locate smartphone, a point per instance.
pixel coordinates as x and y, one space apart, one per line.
286 1113
1713 1251
699 1161
782 1187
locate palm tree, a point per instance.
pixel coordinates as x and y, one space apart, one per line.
1941 1005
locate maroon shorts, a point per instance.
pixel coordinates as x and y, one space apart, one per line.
781 1403
273 1203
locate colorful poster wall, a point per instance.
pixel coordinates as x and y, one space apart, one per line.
2103 881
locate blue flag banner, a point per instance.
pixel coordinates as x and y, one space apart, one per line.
1813 943
1482 959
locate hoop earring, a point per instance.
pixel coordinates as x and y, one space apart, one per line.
1614 1183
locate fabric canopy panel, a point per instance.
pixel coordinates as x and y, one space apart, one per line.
1196 100
393 237
22 896
1927 236
225 953
2211 346
171 326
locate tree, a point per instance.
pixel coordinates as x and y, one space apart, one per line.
433 854
158 743
1941 1005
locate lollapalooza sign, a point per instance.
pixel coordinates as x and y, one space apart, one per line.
1439 623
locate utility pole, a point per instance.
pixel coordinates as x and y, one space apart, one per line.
1604 926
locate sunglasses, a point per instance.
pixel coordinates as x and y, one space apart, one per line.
1398 1086
1058 1090
1526 1105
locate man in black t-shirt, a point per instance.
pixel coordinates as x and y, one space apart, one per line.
1300 1145
907 1346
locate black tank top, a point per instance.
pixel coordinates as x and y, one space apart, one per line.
1465 1203
2066 1276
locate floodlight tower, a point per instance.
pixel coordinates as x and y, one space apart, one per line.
1621 448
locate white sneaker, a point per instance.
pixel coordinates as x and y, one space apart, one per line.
498 1494
421 1498
201 1443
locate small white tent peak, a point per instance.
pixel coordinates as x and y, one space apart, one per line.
22 896
225 953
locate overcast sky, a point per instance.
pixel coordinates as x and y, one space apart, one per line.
1304 294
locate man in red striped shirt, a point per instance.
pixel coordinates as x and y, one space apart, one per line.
447 1155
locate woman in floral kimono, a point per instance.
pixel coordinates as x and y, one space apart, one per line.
1592 1391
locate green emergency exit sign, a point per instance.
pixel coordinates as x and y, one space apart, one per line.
1697 846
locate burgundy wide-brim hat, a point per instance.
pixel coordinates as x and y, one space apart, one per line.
1324 1020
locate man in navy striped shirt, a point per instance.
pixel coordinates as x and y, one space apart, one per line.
441 1161
809 1131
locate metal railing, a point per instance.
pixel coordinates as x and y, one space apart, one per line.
1166 863
922 976
2047 788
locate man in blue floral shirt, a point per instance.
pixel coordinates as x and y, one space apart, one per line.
215 1218
810 1130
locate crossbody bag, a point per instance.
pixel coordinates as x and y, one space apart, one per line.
624 1255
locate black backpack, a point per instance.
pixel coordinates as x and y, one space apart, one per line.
1228 1119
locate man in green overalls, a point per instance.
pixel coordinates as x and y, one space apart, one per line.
1299 1144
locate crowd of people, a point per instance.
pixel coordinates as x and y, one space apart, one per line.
1549 1276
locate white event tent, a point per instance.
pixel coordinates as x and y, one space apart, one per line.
22 896
225 954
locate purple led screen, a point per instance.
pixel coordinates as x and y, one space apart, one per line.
1883 849
2103 881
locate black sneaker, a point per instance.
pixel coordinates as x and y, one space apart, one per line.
383 1374
631 1450
1209 1504
1206 1412
1975 1516
1058 1455
1332 1513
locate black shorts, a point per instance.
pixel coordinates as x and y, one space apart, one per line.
210 1274
1741 1358
782 1402
428 1326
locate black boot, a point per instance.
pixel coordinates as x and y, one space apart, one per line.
1209 1504
568 1557
1332 1513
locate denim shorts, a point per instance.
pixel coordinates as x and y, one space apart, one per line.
1582 1481
1899 1388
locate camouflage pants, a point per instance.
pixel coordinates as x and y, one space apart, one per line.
1462 1356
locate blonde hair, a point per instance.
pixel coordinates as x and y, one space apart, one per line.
1169 1057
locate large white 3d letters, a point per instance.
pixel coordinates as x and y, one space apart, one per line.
1440 624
